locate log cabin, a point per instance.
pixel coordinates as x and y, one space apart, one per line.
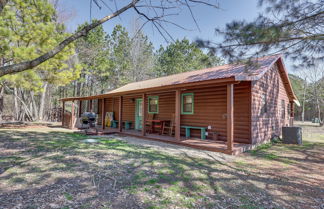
229 108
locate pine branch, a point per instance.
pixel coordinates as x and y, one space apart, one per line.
3 4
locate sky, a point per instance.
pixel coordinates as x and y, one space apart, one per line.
207 18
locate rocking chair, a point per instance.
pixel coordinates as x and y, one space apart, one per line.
149 123
169 127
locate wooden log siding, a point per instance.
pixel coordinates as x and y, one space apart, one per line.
210 109
265 126
129 103
112 105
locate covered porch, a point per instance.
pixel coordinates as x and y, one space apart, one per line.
125 108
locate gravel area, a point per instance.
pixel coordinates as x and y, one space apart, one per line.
171 148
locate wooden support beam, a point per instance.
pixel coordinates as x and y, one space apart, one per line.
80 108
144 113
103 113
112 105
120 118
63 110
230 117
177 115
72 115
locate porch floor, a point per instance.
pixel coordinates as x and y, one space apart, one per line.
209 145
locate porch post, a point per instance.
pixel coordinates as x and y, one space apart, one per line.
72 115
63 110
177 115
143 114
230 118
80 108
120 119
103 114
112 105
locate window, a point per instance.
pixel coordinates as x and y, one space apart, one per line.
264 106
283 112
187 103
153 104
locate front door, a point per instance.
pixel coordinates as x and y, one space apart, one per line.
138 114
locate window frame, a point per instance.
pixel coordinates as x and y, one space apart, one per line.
182 103
148 104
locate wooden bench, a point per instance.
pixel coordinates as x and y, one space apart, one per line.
202 131
128 124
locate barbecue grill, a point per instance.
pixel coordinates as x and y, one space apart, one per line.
89 118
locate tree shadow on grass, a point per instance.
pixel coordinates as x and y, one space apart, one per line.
58 169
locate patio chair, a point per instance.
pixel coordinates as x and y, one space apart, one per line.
169 127
149 123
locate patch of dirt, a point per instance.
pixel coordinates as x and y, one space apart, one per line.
172 148
54 168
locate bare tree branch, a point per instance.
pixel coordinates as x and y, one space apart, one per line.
294 28
15 68
156 12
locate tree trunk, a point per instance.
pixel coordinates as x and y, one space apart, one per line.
74 88
78 90
16 105
304 98
318 107
42 102
1 101
24 106
91 87
319 110
34 106
50 103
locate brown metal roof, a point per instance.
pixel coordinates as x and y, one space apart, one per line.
239 72
235 72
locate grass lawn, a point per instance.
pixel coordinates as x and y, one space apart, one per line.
53 168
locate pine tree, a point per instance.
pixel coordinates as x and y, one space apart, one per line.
182 56
27 30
